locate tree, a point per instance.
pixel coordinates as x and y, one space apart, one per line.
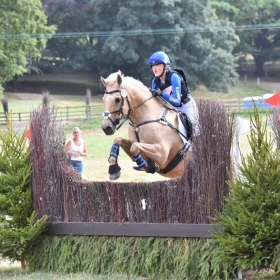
251 212
121 35
19 224
24 33
176 27
74 52
256 38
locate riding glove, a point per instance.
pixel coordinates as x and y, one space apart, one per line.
156 92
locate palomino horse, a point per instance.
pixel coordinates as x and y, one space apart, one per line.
155 142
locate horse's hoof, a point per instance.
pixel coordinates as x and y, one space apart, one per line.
140 169
115 176
114 168
157 168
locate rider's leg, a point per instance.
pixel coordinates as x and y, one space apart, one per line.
191 110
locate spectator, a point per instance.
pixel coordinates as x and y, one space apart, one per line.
77 149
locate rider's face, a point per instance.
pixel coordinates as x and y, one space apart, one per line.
158 69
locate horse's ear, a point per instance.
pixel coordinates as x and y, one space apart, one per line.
119 79
103 81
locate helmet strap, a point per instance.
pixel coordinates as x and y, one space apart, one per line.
163 71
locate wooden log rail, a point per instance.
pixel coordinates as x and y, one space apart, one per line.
132 229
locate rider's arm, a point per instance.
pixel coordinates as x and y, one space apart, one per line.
174 98
153 85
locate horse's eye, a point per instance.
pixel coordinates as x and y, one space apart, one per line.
118 100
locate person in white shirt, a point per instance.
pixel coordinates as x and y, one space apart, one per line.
76 148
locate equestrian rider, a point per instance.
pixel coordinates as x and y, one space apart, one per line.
171 86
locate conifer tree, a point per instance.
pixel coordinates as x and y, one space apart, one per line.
251 220
19 225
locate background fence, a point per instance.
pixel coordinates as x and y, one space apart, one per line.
95 111
63 113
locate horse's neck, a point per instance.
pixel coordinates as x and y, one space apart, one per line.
142 105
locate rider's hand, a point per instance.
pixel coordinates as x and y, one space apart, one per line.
156 92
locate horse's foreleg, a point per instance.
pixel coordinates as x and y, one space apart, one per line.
114 168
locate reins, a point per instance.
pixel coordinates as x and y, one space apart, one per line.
161 120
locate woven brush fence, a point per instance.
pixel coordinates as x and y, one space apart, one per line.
60 193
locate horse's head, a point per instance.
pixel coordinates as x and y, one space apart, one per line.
123 96
113 102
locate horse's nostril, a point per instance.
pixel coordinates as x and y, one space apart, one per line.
108 130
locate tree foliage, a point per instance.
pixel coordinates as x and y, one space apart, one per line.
130 31
261 42
251 213
24 32
19 225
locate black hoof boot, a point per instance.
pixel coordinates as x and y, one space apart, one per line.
152 167
114 171
143 168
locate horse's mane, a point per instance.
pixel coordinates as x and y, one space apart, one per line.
126 80
132 81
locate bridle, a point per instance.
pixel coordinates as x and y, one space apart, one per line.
121 115
108 114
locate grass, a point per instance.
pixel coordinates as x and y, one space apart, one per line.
96 163
15 273
242 90
24 102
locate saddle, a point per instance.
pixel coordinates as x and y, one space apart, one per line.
187 125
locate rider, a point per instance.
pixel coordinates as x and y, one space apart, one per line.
170 85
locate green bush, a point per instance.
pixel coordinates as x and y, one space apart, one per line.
154 258
251 213
19 225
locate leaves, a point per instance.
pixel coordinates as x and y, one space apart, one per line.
20 226
132 30
251 213
24 33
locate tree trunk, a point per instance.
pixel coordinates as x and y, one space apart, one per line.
259 67
23 263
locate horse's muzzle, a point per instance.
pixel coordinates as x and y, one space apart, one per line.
108 130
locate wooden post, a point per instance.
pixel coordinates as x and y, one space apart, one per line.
239 273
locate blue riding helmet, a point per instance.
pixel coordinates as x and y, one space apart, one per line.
159 58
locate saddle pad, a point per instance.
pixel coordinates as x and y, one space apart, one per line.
182 130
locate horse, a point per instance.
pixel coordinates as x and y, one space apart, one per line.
155 141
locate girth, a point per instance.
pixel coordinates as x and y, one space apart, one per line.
179 157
